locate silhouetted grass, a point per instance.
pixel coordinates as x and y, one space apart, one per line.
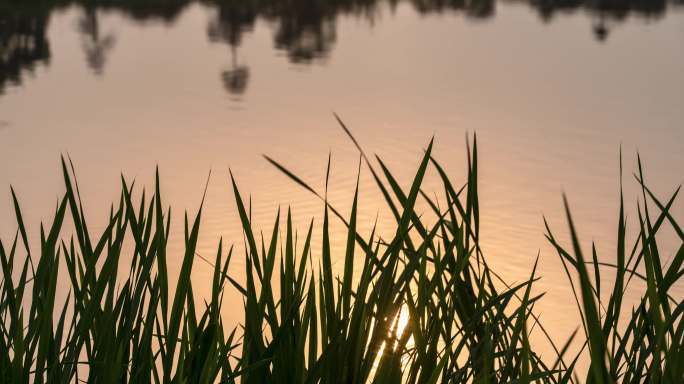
422 306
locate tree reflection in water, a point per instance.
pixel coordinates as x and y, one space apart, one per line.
23 45
305 30
228 25
95 45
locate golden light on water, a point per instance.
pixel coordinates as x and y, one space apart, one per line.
401 324
395 331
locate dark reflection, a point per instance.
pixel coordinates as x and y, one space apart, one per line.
95 44
235 79
227 26
23 44
606 13
304 30
476 9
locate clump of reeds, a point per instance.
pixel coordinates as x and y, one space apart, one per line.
305 324
650 347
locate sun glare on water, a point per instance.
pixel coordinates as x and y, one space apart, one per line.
401 323
398 326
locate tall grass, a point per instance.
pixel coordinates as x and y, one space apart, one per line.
422 306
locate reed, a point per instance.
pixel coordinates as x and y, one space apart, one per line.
421 306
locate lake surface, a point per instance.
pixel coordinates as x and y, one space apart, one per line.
552 89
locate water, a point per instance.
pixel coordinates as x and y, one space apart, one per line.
552 93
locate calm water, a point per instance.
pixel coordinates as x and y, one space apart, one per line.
551 89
